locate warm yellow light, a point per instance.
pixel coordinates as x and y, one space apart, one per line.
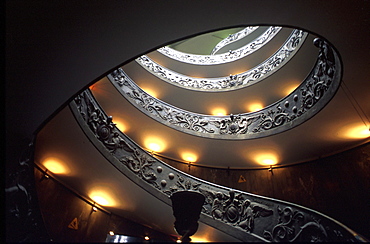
289 89
266 158
189 157
178 241
111 233
253 107
198 239
154 144
100 200
219 111
355 131
102 196
146 238
122 126
150 91
55 166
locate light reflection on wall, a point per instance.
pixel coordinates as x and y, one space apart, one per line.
289 89
219 111
155 144
189 156
121 125
263 156
255 106
354 131
103 196
55 165
151 91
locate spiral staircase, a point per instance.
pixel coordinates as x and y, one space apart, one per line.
240 95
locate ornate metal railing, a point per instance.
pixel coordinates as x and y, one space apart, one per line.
245 216
302 104
233 38
231 56
232 82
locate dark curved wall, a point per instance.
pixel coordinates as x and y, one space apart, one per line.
337 186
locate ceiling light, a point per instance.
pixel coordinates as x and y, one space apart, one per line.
55 166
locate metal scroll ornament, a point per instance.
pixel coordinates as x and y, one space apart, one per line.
233 38
302 104
240 214
232 82
230 56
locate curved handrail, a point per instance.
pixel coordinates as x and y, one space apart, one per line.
245 216
231 56
299 106
233 38
232 82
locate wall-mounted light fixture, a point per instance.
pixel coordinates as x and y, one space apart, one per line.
46 176
94 208
270 169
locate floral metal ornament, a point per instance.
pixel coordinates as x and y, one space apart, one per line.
299 106
245 216
230 56
231 82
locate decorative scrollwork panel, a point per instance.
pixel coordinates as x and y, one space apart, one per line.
231 56
232 211
233 38
302 104
231 82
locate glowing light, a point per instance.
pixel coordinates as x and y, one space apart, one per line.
150 91
253 107
55 166
111 233
120 124
154 144
102 197
178 241
355 131
189 157
266 158
198 239
219 111
100 200
289 89
146 238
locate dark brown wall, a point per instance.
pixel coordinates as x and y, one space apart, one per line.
59 206
338 186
